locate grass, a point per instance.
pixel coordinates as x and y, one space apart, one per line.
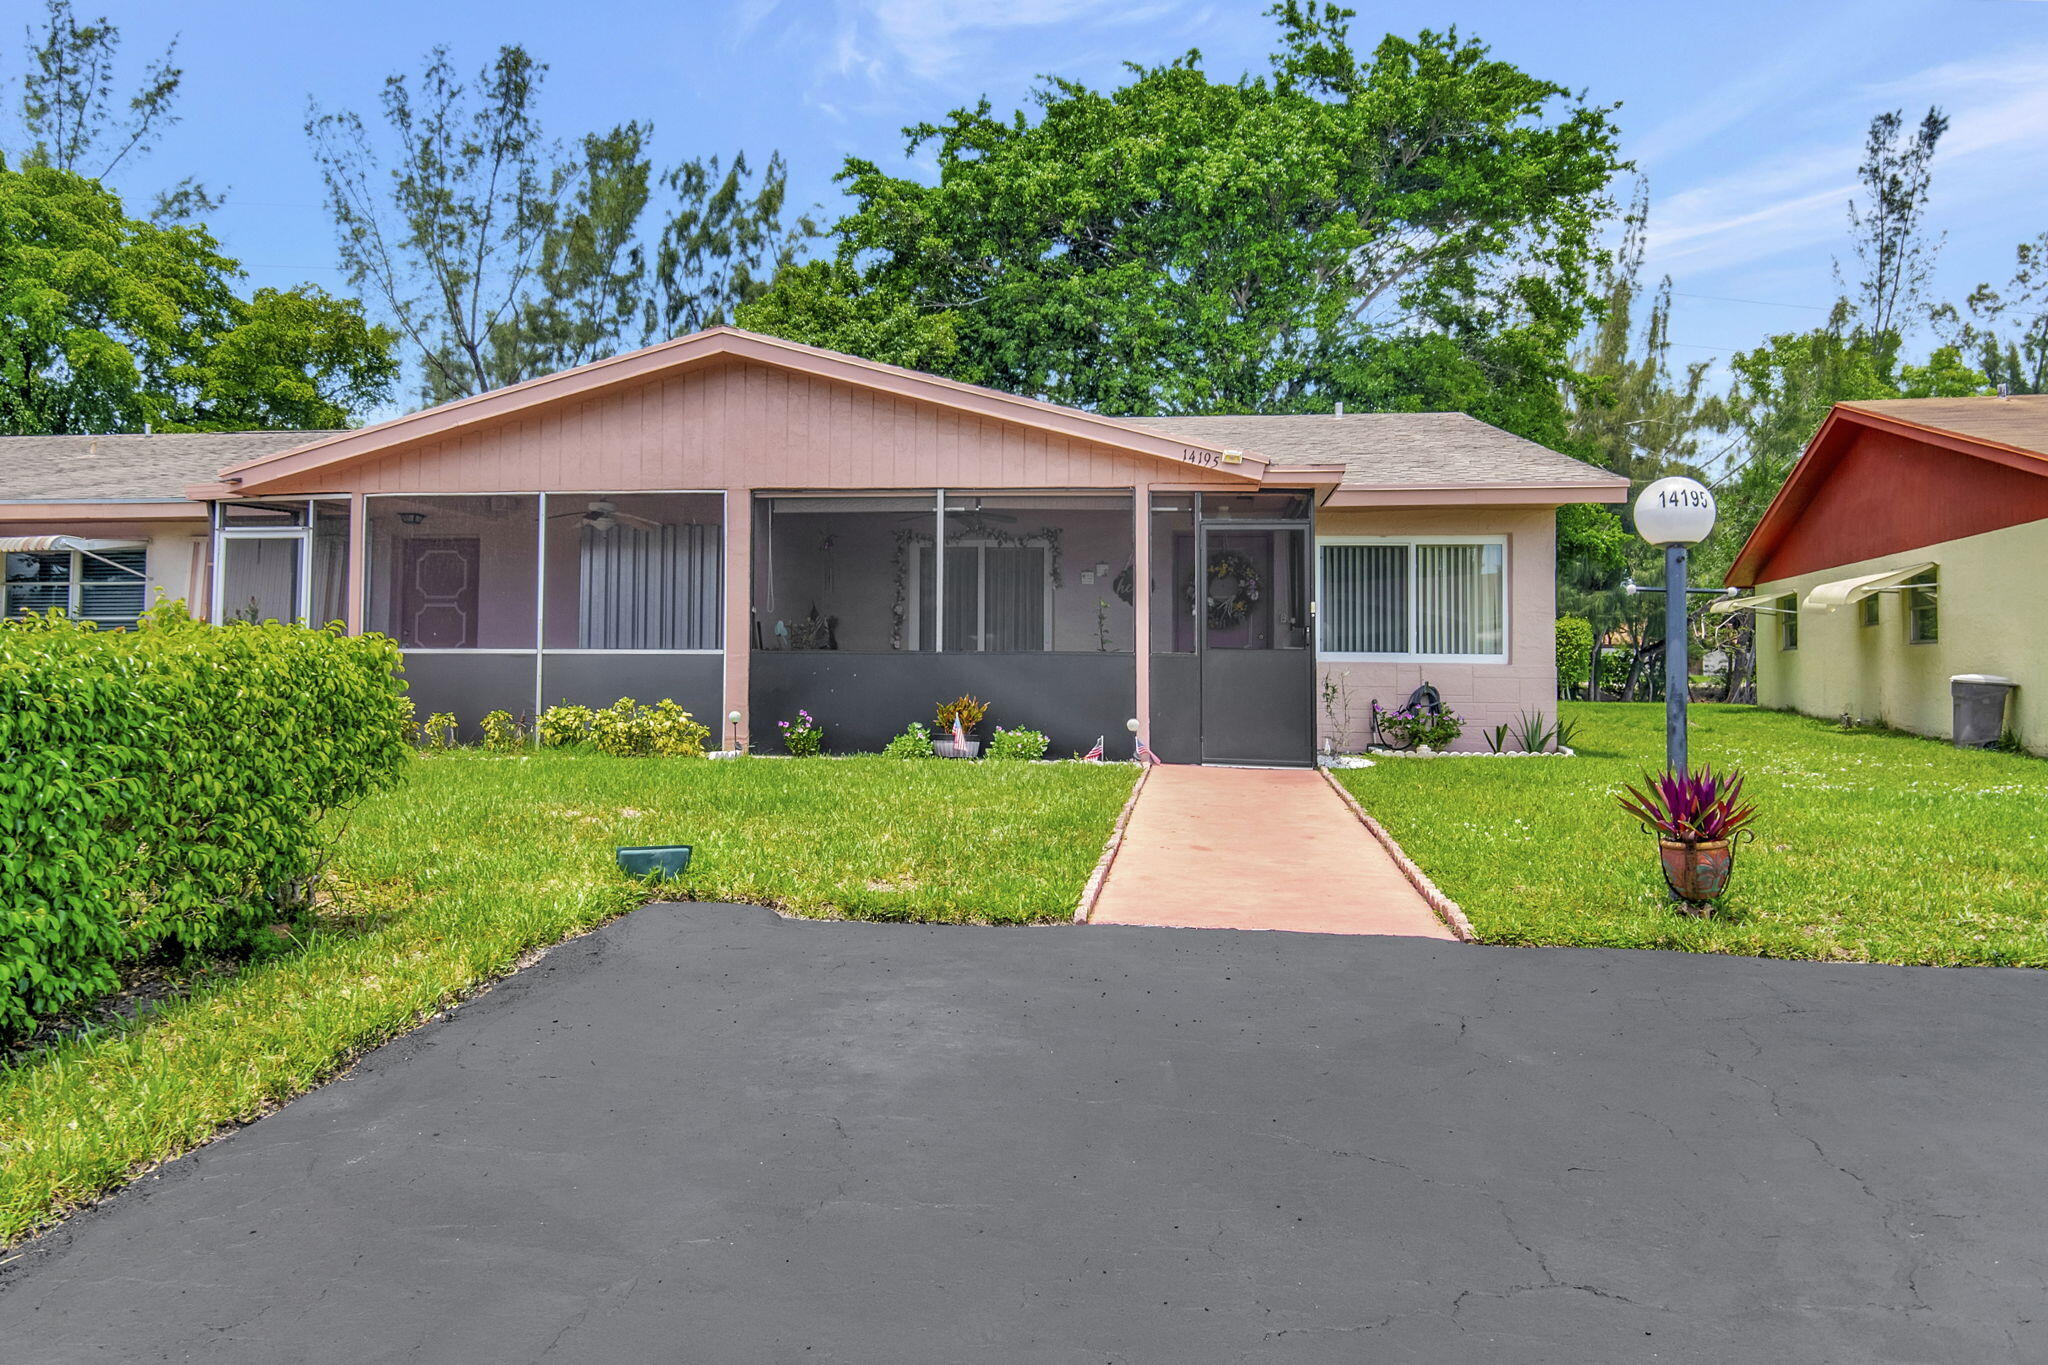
446 883
1872 846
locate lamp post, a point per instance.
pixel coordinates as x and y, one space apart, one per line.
1676 514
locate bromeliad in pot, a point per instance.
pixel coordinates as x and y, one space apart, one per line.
1698 818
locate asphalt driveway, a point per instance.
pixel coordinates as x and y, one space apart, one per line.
706 1134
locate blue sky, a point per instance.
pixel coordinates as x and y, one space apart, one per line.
1746 117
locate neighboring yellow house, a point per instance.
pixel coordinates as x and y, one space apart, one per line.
1909 546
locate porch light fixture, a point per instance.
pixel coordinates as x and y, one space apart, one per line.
1674 513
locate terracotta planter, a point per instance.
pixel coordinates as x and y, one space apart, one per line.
1697 873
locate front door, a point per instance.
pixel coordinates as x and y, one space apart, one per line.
1254 632
437 593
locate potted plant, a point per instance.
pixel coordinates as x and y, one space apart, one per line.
967 712
1416 726
1697 818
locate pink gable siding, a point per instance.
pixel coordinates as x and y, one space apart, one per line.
744 425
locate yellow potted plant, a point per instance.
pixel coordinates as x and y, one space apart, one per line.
956 722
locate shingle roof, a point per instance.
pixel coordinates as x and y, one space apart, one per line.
128 468
1392 449
2020 421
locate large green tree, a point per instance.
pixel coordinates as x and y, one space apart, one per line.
500 254
1412 227
108 323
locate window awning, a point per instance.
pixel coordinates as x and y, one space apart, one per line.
1844 591
15 545
1721 606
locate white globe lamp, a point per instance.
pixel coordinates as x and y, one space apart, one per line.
1675 511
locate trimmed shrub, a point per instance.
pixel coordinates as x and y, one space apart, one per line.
562 726
916 742
163 788
1574 653
626 729
502 734
1016 744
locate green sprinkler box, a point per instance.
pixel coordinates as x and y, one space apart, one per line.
663 862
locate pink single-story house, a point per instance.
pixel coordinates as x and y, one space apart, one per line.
746 524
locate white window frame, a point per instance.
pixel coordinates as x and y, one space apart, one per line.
222 533
1507 594
75 584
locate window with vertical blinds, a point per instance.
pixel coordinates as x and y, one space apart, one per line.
1414 599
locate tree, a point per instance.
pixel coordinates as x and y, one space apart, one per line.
821 303
2007 330
72 119
1628 411
1408 229
1895 256
501 255
1782 391
108 323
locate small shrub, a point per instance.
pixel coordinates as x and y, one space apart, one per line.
1415 726
1496 738
1017 744
565 725
1567 733
502 734
626 729
968 711
803 737
916 742
1574 653
437 733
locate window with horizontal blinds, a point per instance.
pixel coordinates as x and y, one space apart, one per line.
1413 599
104 586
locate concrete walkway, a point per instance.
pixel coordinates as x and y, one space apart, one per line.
1255 848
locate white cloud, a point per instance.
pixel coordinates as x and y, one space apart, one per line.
948 43
1997 107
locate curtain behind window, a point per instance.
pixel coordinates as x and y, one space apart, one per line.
1365 599
1015 598
653 588
1459 599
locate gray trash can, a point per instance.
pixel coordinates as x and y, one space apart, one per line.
1979 700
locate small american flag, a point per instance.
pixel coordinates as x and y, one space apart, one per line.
1144 755
1094 755
959 738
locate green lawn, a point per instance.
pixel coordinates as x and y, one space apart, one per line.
1871 846
477 860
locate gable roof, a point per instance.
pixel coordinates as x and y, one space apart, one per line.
1401 450
2018 423
708 347
125 468
2008 432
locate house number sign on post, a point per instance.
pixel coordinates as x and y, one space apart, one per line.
1676 513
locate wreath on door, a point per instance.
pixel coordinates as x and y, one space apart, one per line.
1234 605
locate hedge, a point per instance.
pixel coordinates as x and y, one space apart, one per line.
163 788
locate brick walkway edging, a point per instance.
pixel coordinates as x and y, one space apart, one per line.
1092 892
1446 909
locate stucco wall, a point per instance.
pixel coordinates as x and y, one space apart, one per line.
1484 694
1993 619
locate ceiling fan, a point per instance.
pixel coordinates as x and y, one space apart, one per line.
603 515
